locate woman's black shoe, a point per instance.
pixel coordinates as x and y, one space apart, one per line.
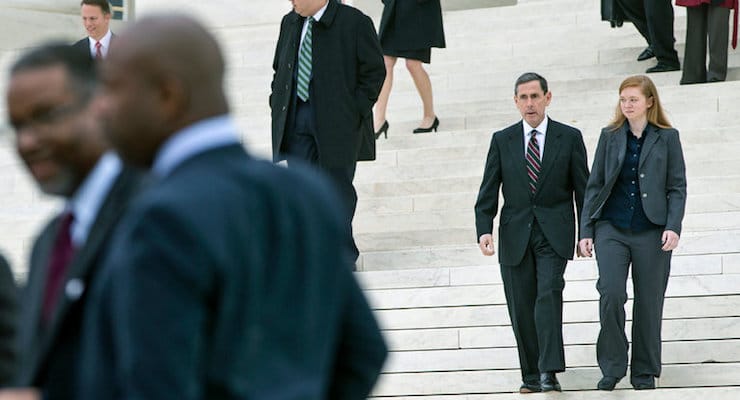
434 126
382 131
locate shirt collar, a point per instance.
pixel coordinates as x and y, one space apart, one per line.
195 139
321 11
105 41
87 200
541 128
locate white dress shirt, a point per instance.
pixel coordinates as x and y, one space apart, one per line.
104 41
541 132
316 17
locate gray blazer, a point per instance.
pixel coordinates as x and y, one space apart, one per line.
661 170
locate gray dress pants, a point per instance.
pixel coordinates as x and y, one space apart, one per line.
706 24
616 251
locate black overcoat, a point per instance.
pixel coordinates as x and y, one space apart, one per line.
416 24
348 72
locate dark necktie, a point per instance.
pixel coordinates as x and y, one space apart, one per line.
304 62
533 161
61 255
98 51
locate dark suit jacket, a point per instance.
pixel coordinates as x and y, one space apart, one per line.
227 280
561 181
415 24
8 316
348 72
662 174
83 46
48 355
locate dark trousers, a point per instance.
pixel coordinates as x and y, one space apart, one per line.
616 250
300 144
706 23
534 297
654 20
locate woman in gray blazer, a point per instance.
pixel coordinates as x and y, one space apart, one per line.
633 208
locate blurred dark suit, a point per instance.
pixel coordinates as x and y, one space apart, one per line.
49 354
8 316
212 291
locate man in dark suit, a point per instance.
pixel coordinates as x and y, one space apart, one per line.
230 277
328 71
540 165
96 17
61 141
654 20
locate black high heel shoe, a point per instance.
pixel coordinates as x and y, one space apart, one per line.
434 126
382 131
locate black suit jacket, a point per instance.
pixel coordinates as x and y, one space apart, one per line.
661 170
227 280
348 72
8 316
561 183
416 24
83 47
48 355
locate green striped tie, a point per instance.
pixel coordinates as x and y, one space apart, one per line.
304 62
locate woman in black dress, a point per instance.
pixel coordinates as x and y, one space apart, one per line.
409 29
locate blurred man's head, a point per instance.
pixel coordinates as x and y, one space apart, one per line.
166 73
50 107
95 17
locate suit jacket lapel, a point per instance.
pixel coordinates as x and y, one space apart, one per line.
79 270
516 149
553 142
652 137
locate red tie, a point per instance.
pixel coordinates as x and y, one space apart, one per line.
98 52
60 257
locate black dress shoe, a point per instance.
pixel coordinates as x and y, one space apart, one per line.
643 382
646 54
530 388
549 382
663 67
434 126
608 383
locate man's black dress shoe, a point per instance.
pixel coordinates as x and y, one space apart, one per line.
530 388
643 382
646 54
663 67
549 382
608 383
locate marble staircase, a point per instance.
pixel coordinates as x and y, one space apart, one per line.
439 301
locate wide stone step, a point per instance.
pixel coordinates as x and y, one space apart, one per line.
505 381
711 306
678 352
575 291
413 253
574 333
713 393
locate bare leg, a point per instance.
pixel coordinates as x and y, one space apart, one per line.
382 104
424 87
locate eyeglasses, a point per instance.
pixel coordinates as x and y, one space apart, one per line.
52 115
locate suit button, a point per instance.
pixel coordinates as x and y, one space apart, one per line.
642 175
529 225
290 65
74 289
284 108
287 87
644 195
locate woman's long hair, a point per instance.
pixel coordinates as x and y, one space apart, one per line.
655 114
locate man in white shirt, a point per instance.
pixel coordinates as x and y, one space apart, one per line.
96 15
